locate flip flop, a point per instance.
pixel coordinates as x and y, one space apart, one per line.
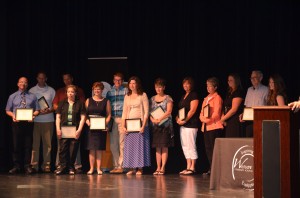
161 172
183 172
190 172
156 173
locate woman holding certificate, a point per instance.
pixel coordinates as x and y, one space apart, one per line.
188 121
134 124
99 114
161 106
70 118
210 116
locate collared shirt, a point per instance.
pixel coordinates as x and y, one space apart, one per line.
49 94
256 96
116 98
14 101
77 110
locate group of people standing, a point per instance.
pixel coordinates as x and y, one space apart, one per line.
131 150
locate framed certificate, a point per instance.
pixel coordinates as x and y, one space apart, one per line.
68 131
43 103
97 123
24 114
181 114
157 113
206 111
248 114
133 125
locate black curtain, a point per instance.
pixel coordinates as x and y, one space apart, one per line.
168 39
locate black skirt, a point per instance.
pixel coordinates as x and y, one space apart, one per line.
162 136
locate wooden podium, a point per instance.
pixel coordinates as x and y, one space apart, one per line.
276 152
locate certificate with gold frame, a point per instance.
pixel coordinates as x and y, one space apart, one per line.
43 103
68 131
248 114
157 113
24 114
97 123
206 111
181 114
133 125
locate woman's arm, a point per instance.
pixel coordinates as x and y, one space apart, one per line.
80 127
108 113
145 104
280 100
236 102
192 111
57 123
86 106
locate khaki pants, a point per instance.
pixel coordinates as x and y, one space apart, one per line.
44 131
117 143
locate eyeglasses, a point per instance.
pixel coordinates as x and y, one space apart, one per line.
252 78
117 80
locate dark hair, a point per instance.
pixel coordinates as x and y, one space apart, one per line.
237 81
189 80
279 89
160 81
139 88
42 72
98 84
119 74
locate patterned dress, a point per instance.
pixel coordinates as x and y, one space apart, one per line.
163 135
96 139
136 145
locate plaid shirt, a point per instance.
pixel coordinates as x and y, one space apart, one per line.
116 98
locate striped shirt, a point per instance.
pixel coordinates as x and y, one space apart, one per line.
116 98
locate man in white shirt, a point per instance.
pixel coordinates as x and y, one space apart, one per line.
256 96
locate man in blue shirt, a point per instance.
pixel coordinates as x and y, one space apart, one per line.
116 97
22 130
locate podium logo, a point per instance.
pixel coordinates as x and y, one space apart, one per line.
242 167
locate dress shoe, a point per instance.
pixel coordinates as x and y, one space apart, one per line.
29 170
60 171
14 170
117 171
206 173
78 171
47 169
72 171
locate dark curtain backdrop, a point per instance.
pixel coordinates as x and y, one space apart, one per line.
170 39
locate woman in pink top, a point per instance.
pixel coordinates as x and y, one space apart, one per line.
210 116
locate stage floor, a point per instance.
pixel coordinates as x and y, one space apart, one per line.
111 186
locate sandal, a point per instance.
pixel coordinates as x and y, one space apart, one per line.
99 172
90 172
183 172
156 172
139 172
130 172
161 172
189 172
